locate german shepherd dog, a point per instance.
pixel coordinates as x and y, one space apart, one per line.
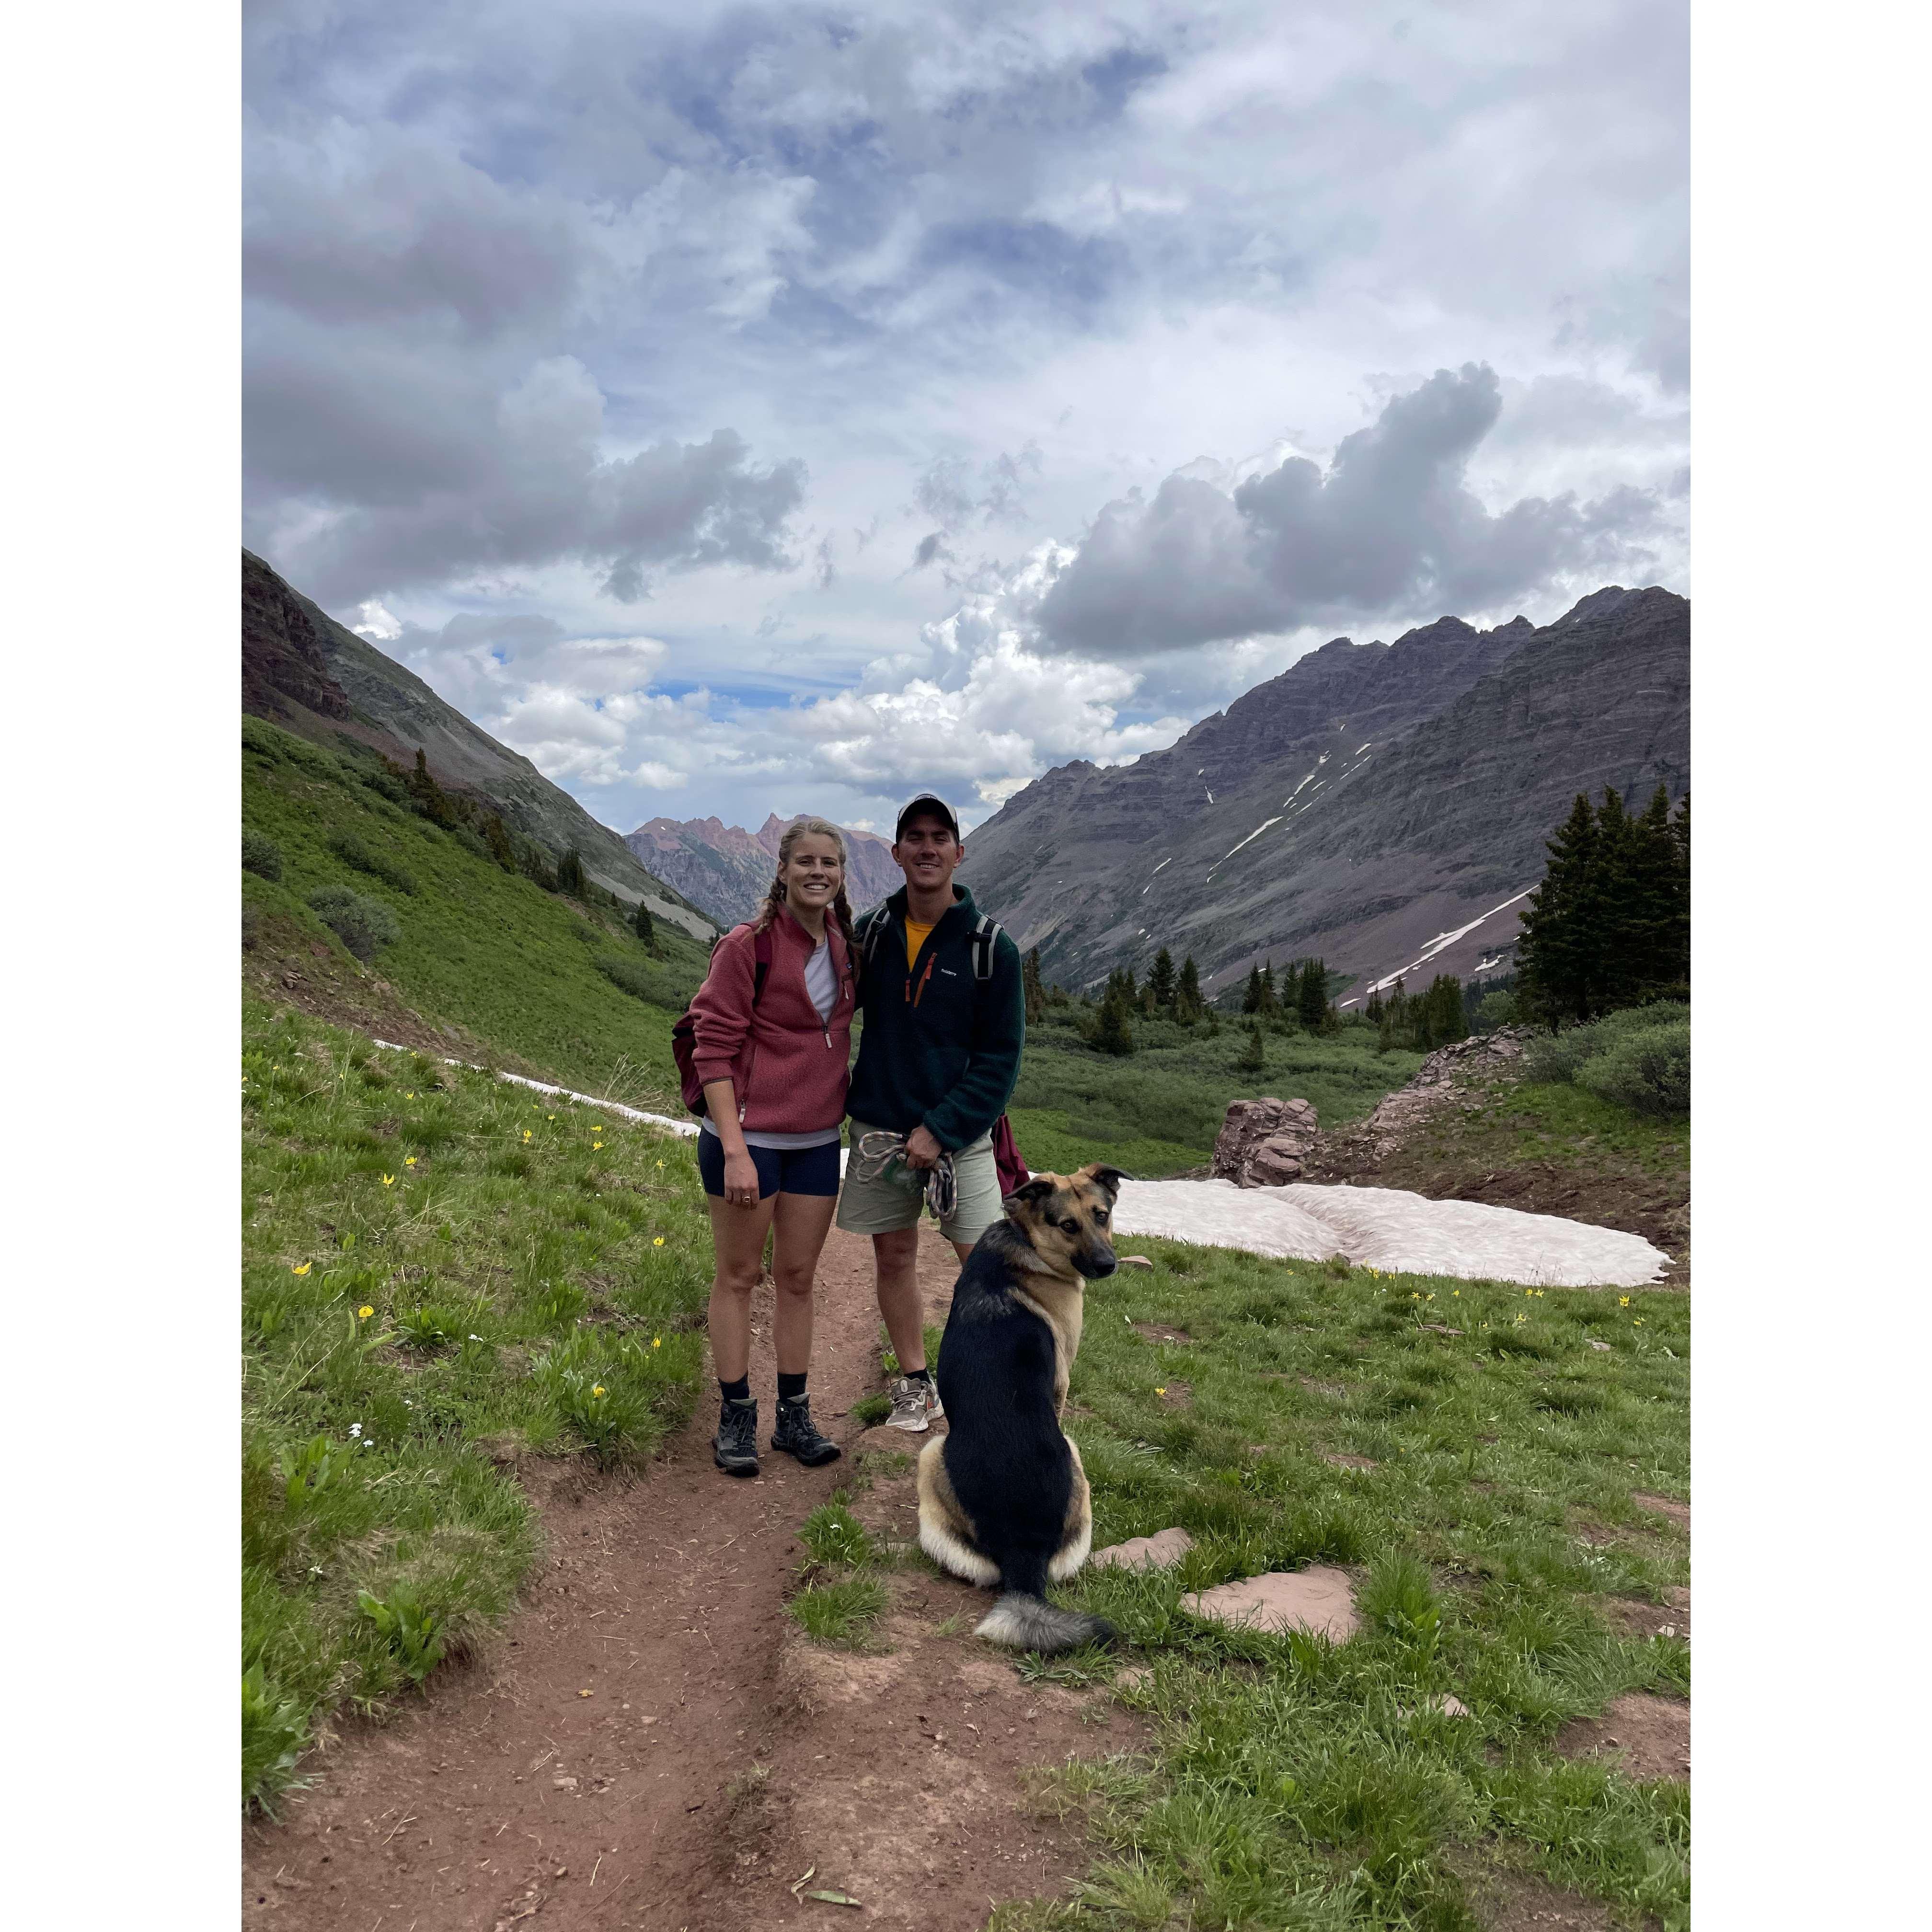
1002 1497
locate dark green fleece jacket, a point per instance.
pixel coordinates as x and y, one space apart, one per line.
939 1047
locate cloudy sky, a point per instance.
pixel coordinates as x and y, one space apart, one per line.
740 409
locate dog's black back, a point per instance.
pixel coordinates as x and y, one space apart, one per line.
1005 1455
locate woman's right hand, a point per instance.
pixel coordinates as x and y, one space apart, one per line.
741 1180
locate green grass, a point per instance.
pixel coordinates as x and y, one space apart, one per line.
1157 1110
845 1593
1291 1783
566 991
1570 1124
434 1264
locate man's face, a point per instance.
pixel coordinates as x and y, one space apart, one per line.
927 852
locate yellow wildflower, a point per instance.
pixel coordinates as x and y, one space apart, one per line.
301 1267
389 1180
657 1241
583 1693
596 1147
657 1341
363 1313
1623 1301
526 1133
408 1160
598 1389
1160 1391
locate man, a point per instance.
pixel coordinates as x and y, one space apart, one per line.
937 1060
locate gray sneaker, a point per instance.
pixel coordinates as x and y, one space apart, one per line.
915 1404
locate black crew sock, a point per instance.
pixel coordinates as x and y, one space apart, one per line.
738 1391
791 1388
919 1374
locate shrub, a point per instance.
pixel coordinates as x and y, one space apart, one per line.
351 851
638 981
1649 1072
251 928
1559 1057
1497 1010
364 925
260 855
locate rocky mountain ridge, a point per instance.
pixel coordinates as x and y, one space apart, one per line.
727 871
302 670
1382 805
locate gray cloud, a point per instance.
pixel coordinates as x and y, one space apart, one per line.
407 469
408 232
931 547
1390 524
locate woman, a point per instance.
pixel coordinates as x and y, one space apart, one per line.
772 1056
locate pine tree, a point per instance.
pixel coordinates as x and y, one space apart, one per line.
1187 993
1557 952
1113 1033
1251 995
641 921
570 874
1160 980
1271 1002
497 836
1311 995
1373 1011
1439 1018
1036 994
432 801
1254 1055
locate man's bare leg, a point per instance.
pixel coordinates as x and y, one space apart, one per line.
896 1258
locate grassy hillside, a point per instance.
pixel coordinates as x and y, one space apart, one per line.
434 1263
515 969
1157 1110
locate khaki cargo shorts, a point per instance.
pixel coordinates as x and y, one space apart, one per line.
895 1200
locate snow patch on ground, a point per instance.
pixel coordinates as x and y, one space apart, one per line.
688 1128
1386 1228
1252 836
1290 798
1167 861
1443 940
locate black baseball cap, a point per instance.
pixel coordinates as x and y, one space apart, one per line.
926 802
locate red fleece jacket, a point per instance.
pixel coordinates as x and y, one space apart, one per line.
786 1066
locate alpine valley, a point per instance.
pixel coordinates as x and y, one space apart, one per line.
1382 807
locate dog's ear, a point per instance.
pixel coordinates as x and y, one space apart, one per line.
1109 1177
1031 1193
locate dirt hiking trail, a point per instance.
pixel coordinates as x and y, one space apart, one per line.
718 1755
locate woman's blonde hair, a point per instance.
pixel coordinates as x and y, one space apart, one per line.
775 899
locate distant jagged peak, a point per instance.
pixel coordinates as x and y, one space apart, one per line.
1444 630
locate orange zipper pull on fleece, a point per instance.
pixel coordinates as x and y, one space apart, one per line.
923 977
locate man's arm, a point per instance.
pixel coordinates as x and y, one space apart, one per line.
999 1033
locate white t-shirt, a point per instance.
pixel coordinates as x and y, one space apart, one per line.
821 984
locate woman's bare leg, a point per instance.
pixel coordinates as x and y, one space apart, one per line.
738 1241
800 1226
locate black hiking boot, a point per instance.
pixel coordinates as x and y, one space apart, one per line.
735 1447
797 1435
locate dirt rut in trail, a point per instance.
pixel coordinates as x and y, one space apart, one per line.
717 1754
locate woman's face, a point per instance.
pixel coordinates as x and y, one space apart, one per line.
814 871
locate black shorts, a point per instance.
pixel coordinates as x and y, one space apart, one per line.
813 1170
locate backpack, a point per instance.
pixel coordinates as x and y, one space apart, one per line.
684 1035
1012 1170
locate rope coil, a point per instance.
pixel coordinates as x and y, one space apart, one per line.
876 1151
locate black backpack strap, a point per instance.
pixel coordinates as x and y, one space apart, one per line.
761 961
876 923
985 938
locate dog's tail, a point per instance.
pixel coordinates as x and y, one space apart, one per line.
1024 1622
